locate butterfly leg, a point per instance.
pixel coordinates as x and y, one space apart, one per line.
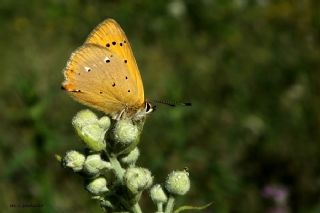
119 115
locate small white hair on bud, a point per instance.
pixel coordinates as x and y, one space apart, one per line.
97 186
137 179
178 182
74 160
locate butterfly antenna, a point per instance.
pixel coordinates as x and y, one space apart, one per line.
172 104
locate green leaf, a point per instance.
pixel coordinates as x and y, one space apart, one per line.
58 157
183 208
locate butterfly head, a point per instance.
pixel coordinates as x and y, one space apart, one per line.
137 114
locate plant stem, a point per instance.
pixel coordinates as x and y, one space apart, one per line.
136 208
160 207
118 170
170 204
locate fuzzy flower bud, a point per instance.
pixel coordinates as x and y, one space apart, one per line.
124 136
94 164
103 202
178 182
132 157
104 122
157 194
97 186
125 132
90 129
137 179
106 203
73 160
84 117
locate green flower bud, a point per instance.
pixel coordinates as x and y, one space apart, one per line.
93 136
125 132
58 157
178 182
137 179
132 157
74 160
94 164
157 194
106 203
103 201
83 118
91 130
124 136
104 122
97 186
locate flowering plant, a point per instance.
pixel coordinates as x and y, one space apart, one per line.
109 166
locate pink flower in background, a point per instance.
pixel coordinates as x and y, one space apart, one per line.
278 194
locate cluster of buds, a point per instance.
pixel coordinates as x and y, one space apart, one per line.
108 166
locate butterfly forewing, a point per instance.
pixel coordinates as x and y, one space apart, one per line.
97 77
109 35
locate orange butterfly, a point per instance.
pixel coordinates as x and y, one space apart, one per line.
103 74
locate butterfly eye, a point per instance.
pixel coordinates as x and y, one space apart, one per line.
148 108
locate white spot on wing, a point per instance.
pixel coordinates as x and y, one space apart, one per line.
107 59
88 69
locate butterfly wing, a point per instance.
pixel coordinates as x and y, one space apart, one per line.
98 78
109 35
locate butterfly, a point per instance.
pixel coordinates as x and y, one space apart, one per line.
103 74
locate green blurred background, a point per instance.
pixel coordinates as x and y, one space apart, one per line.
250 68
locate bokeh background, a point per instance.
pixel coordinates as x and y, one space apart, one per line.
250 68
